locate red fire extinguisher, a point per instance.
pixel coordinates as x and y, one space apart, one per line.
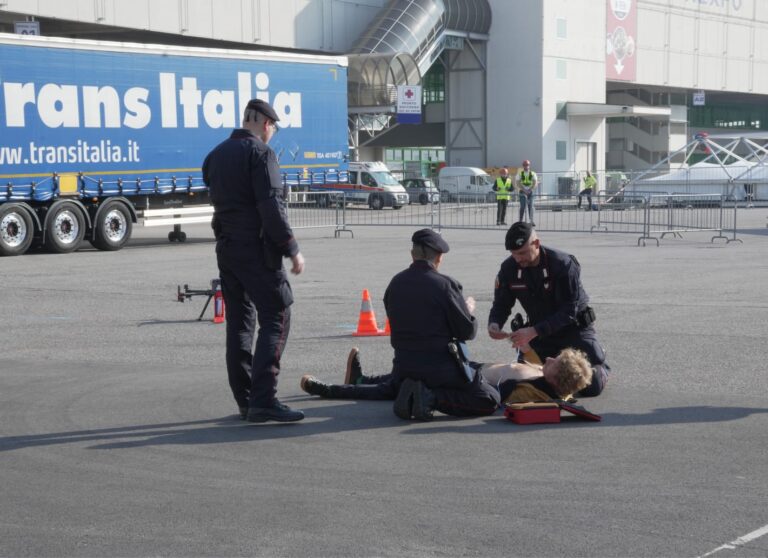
218 304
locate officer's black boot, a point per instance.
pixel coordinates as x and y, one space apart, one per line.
414 401
278 412
423 406
404 400
313 386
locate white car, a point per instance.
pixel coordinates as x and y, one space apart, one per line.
421 190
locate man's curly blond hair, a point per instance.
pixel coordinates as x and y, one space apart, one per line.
574 372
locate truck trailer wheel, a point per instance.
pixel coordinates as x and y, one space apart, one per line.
177 236
16 230
64 228
113 226
376 202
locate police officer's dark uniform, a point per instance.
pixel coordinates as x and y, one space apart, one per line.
557 305
426 311
252 237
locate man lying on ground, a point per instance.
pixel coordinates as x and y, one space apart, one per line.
558 378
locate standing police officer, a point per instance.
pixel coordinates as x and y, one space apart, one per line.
547 283
426 312
252 238
502 187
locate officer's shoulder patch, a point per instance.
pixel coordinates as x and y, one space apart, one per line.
497 283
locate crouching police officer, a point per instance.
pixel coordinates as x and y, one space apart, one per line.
427 312
252 238
547 283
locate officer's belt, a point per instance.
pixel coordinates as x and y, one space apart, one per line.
584 318
237 224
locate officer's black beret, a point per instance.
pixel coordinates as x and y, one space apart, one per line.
517 235
430 239
263 107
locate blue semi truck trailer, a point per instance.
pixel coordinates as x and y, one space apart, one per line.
94 133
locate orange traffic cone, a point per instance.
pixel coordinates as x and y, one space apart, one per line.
387 330
366 324
218 306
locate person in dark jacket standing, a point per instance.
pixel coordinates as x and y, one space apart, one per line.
426 312
252 238
547 283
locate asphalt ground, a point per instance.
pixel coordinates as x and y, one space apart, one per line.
119 436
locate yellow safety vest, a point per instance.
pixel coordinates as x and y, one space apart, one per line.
589 182
526 179
503 187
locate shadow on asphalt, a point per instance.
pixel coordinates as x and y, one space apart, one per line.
350 416
668 415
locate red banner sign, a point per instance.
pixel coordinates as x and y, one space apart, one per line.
621 28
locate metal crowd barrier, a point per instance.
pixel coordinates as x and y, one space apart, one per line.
679 213
651 216
313 210
306 210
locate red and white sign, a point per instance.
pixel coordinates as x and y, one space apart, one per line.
621 29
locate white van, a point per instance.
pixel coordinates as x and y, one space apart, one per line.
465 185
373 184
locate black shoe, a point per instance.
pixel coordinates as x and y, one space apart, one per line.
277 412
404 400
414 400
354 370
423 402
313 386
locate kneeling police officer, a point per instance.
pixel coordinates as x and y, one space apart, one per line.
428 315
547 283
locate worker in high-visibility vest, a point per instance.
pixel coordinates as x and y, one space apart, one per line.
502 187
525 183
590 182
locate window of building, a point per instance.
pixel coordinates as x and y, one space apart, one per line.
742 115
427 159
560 150
561 69
562 28
433 85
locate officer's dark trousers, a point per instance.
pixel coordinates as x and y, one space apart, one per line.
374 388
253 293
473 399
454 395
501 211
583 339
